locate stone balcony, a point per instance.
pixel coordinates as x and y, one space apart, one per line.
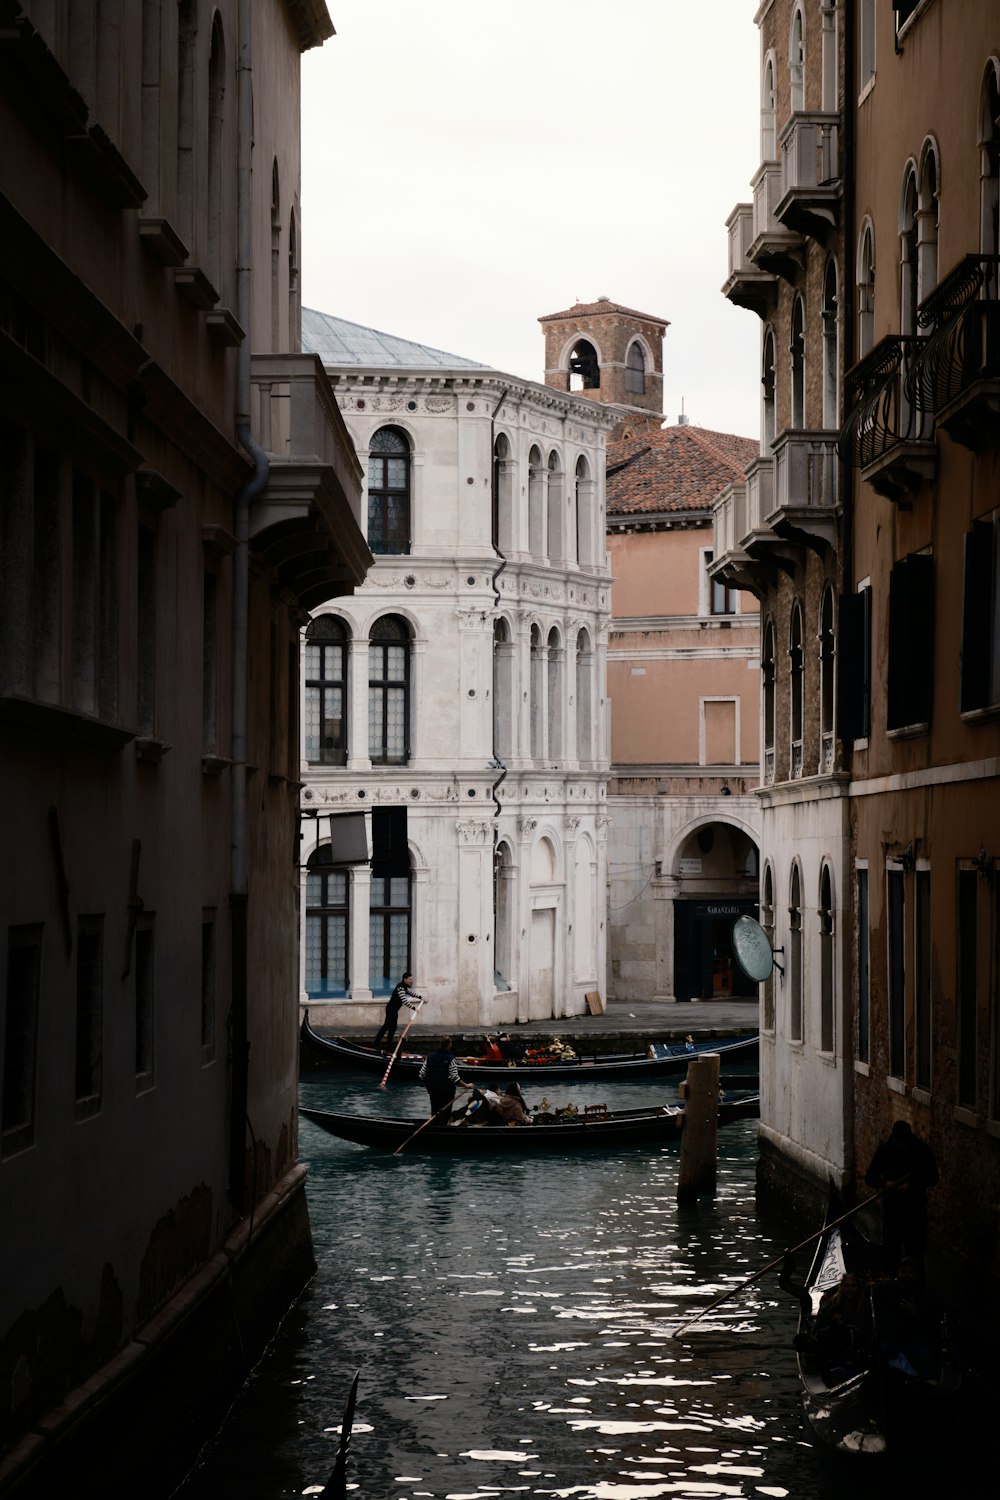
809 203
747 285
306 523
730 562
774 247
886 435
805 501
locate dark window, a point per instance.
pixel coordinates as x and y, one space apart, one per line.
767 676
826 970
767 922
795 959
968 984
208 985
145 625
209 664
854 655
89 1014
720 596
922 978
864 950
389 902
389 492
911 642
24 968
798 353
635 370
981 618
897 972
389 692
327 927
795 690
326 692
827 639
145 1013
584 369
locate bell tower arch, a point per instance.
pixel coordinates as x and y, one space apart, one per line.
606 353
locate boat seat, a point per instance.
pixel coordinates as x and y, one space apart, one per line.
595 1109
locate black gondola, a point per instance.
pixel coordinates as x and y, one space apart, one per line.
594 1128
661 1059
866 1398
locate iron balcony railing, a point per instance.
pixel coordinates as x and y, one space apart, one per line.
882 414
962 346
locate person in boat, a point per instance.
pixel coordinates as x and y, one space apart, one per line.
492 1052
513 1107
903 1168
403 994
837 1340
483 1108
909 1323
439 1076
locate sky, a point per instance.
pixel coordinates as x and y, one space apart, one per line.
468 167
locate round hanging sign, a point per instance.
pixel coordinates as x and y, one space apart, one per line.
753 951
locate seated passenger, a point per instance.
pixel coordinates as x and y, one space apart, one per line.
513 1108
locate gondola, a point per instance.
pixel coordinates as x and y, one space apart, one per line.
661 1059
594 1128
870 1403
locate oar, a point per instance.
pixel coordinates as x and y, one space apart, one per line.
749 1280
424 1126
385 1075
336 1486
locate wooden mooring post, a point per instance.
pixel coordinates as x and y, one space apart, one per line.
699 1140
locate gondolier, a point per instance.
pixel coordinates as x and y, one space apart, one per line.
402 995
439 1076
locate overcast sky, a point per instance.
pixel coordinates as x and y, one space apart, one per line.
469 166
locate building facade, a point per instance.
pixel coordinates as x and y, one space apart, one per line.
780 534
169 507
683 681
458 698
890 983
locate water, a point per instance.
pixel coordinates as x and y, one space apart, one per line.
515 1325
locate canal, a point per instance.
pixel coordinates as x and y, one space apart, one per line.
514 1325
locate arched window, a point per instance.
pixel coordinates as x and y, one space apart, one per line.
767 377
831 361
389 692
797 349
989 169
555 509
635 369
584 496
275 255
536 504
795 665
187 26
389 492
768 109
389 917
797 62
584 697
216 127
536 687
908 296
795 956
865 280
767 664
503 689
827 653
767 923
554 666
326 691
826 961
294 293
503 495
584 368
327 927
927 222
504 911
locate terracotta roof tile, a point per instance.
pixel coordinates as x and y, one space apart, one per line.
603 305
654 469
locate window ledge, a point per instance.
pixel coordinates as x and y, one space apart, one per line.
963 1116
908 731
52 718
867 88
214 765
151 750
895 1085
862 1068
923 1096
982 715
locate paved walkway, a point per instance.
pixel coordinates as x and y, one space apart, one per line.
647 1020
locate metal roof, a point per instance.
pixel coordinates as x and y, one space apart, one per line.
346 345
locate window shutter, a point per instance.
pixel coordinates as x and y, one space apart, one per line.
911 642
977 616
854 664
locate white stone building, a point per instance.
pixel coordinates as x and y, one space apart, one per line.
458 697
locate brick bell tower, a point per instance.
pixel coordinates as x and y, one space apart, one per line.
607 353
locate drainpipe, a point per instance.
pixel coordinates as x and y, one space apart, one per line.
847 474
239 883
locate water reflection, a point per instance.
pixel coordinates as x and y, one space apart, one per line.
515 1327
